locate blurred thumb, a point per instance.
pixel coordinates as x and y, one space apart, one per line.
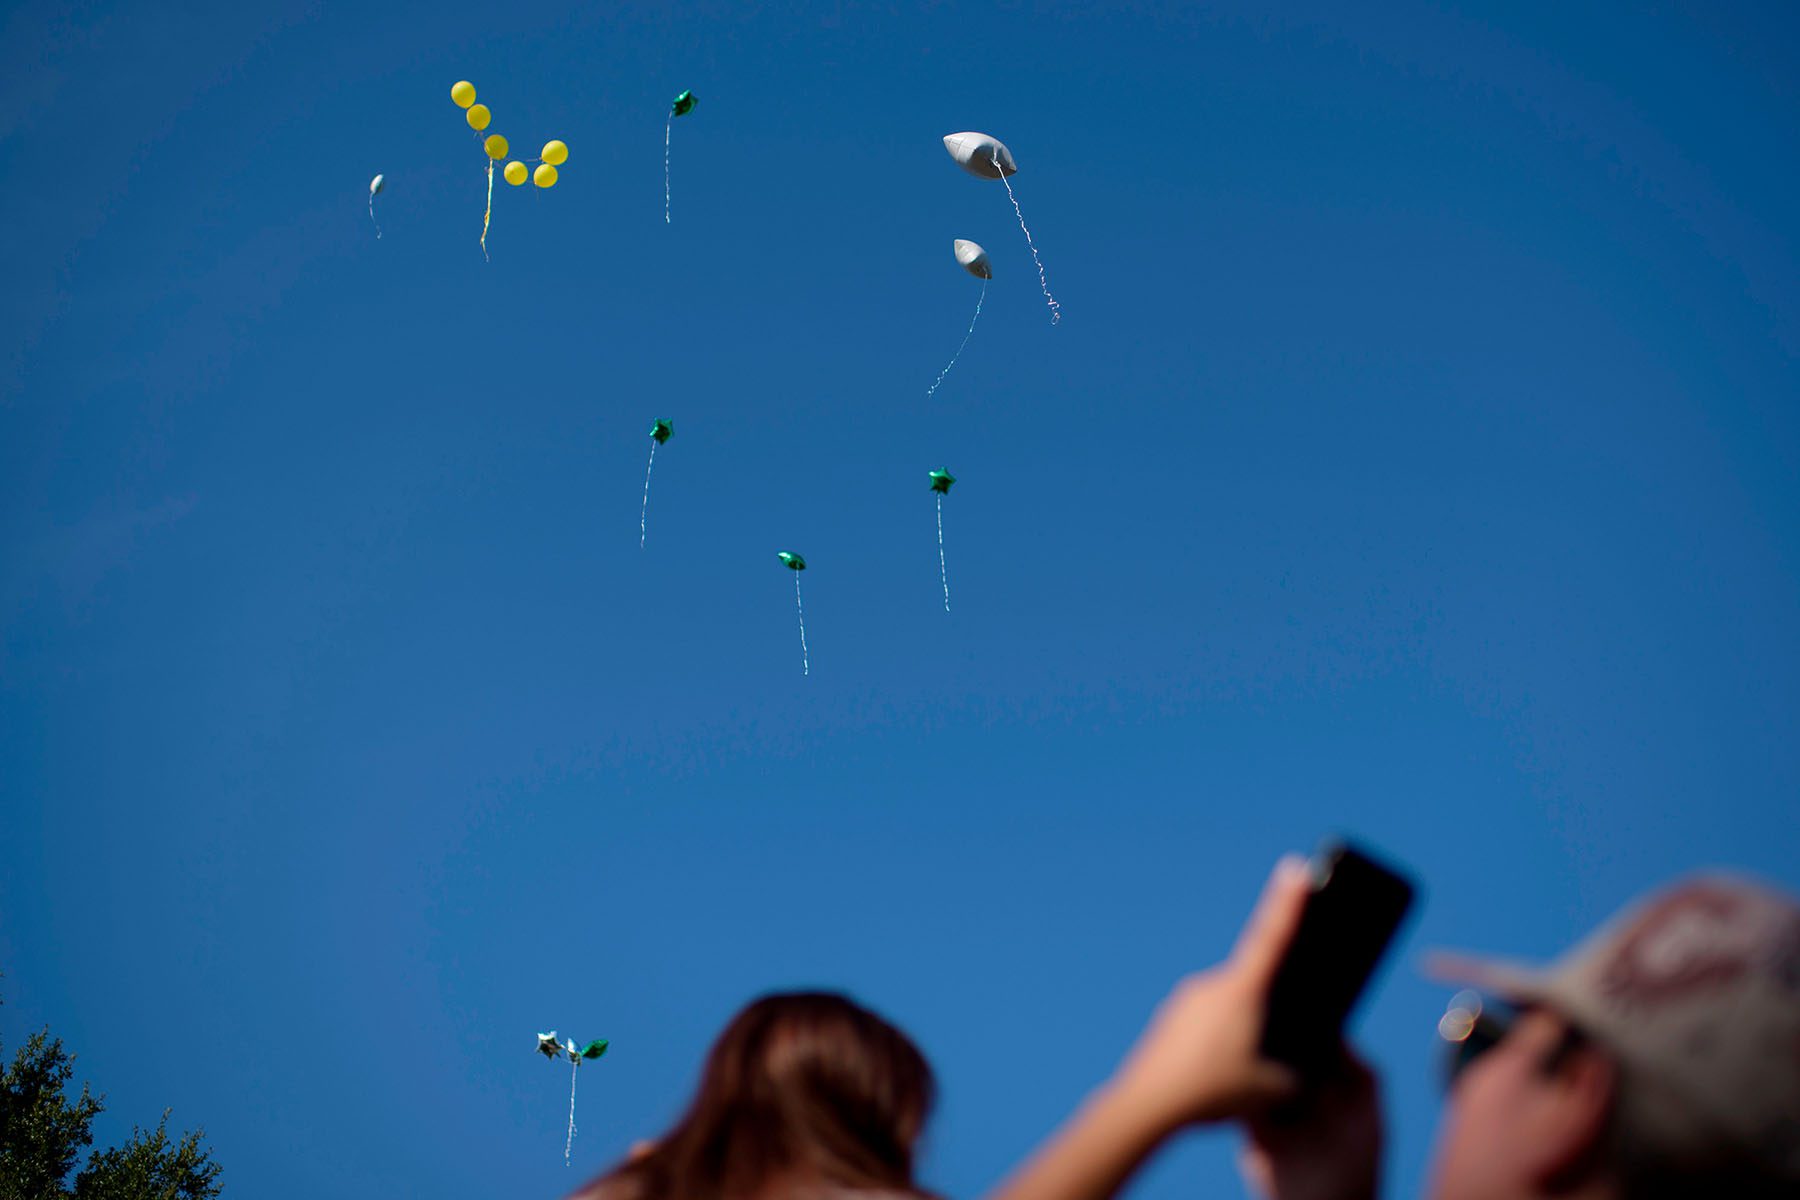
1271 927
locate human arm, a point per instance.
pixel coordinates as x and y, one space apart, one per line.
1196 1062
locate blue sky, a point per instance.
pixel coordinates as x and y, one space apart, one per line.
1416 458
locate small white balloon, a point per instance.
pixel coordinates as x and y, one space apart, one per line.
375 185
973 258
981 154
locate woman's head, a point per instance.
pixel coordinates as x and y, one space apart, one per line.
807 1088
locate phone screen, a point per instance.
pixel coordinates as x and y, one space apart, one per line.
1355 909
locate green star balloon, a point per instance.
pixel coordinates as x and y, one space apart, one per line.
684 104
661 430
796 564
551 1049
941 479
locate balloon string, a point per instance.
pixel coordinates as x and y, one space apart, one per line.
667 126
940 379
372 219
486 216
805 665
1055 308
569 1146
644 517
942 569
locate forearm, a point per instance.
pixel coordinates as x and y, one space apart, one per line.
1196 1063
1093 1154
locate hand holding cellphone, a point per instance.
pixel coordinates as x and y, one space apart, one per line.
1355 908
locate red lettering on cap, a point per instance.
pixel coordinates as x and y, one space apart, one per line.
1689 941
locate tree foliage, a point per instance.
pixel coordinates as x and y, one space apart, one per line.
43 1131
149 1164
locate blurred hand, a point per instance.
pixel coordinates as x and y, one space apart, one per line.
1323 1143
1198 1059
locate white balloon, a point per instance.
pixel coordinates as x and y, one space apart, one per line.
977 153
973 258
375 184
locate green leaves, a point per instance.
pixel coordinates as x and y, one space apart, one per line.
151 1167
43 1132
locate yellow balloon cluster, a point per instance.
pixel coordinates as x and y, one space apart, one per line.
555 152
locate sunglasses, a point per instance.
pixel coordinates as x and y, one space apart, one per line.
1473 1025
1470 1027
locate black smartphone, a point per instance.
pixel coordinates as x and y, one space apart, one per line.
1355 908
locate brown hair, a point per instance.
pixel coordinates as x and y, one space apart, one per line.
807 1088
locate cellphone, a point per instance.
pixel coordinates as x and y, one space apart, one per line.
1355 908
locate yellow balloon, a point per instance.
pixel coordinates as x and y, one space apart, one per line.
515 172
478 117
544 176
555 153
495 146
463 93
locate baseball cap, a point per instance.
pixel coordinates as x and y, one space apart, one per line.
1696 989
